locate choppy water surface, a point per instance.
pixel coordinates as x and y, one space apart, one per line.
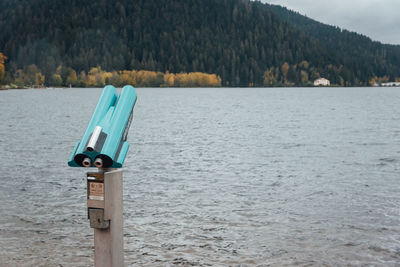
250 177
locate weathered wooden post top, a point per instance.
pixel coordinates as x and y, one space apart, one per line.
104 145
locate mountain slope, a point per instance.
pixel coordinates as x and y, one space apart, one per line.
236 39
382 59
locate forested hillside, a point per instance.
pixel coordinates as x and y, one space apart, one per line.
245 43
355 51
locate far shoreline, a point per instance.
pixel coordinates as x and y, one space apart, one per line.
249 87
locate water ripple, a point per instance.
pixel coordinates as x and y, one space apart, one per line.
226 177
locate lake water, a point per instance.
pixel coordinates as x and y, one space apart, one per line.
214 177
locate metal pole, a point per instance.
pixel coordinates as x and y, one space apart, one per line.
109 243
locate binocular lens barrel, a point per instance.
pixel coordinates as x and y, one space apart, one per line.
98 162
104 143
86 162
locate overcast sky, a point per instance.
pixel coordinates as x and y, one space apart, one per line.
377 19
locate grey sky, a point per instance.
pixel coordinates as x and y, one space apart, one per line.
377 19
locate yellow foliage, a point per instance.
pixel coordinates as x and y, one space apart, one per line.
304 76
2 67
269 78
128 77
56 80
372 81
29 76
96 77
90 80
380 80
169 79
72 79
196 79
58 70
285 69
39 79
20 78
144 76
2 58
94 71
304 64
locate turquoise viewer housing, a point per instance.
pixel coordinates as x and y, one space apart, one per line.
104 143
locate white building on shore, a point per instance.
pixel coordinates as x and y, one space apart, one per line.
322 82
391 84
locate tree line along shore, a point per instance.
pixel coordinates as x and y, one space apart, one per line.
31 77
302 74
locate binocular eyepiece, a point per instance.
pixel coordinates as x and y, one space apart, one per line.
87 162
98 163
104 144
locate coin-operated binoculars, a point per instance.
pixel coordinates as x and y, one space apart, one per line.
104 145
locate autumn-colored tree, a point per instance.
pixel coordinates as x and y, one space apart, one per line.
2 67
379 80
195 79
115 79
269 78
303 77
304 64
372 81
82 79
208 80
56 80
128 77
149 78
29 76
39 79
169 79
104 77
33 77
72 78
285 70
20 78
181 80
96 77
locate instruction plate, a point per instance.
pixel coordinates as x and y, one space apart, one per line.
96 191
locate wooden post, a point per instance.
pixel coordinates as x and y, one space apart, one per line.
109 243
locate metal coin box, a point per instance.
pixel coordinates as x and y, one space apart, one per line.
96 200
